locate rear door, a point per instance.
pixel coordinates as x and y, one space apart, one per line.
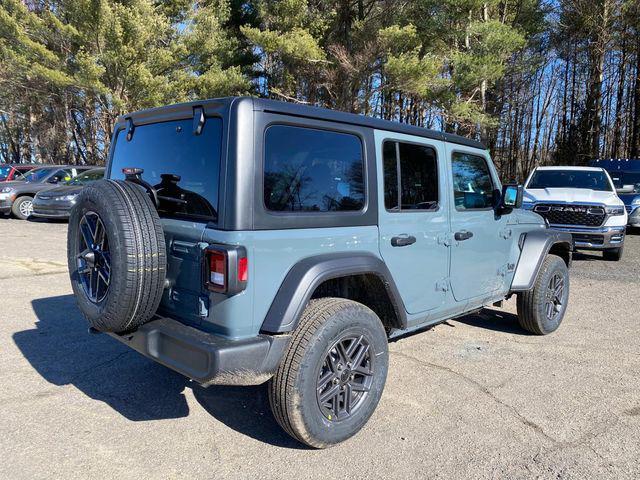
413 218
481 239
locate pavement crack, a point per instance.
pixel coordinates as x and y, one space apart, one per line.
104 363
483 389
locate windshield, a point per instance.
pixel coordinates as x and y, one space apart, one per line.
589 179
182 167
37 174
87 177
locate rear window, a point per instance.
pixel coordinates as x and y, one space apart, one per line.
184 168
311 170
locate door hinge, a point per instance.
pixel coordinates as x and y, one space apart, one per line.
506 268
442 285
445 239
506 233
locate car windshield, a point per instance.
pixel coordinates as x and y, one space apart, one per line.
5 170
87 177
182 167
37 174
589 179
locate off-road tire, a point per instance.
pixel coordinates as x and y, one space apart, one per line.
137 255
613 254
292 391
18 202
532 303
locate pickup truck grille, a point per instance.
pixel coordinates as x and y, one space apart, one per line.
564 214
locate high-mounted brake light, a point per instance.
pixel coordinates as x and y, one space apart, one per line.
227 269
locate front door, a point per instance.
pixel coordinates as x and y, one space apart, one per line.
413 218
481 240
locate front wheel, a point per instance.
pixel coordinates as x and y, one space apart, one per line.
541 309
612 254
22 207
333 373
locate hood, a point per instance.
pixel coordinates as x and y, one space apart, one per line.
571 195
61 191
12 184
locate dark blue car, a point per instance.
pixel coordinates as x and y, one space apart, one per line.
625 173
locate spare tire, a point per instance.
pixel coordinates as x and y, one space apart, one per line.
117 255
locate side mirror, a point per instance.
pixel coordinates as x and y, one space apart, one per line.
511 198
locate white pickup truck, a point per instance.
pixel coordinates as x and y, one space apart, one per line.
582 201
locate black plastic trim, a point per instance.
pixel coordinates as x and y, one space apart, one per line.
207 358
305 276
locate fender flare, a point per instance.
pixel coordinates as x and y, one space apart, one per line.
306 275
535 248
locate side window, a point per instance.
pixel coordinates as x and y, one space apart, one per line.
472 184
417 168
59 176
311 170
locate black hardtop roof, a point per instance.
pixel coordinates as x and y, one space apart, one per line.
300 110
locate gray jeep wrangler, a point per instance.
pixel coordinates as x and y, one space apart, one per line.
241 241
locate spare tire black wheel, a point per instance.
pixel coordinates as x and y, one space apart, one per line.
117 255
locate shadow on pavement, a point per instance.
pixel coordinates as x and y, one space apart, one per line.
245 410
62 351
496 320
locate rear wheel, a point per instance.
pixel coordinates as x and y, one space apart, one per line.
22 207
333 373
541 309
613 254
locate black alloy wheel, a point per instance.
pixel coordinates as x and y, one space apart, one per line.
345 377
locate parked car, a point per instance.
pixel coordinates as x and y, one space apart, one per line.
17 197
58 201
239 241
625 174
10 172
581 201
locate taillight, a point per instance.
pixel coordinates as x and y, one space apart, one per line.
227 269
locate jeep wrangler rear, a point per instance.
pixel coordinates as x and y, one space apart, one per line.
240 241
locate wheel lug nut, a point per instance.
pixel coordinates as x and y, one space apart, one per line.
335 381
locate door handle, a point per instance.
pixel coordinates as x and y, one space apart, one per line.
403 240
462 235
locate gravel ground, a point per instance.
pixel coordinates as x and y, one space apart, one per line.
472 398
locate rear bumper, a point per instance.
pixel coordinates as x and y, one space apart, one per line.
206 358
600 238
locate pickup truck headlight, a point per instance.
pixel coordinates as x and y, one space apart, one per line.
636 202
614 210
6 190
68 198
